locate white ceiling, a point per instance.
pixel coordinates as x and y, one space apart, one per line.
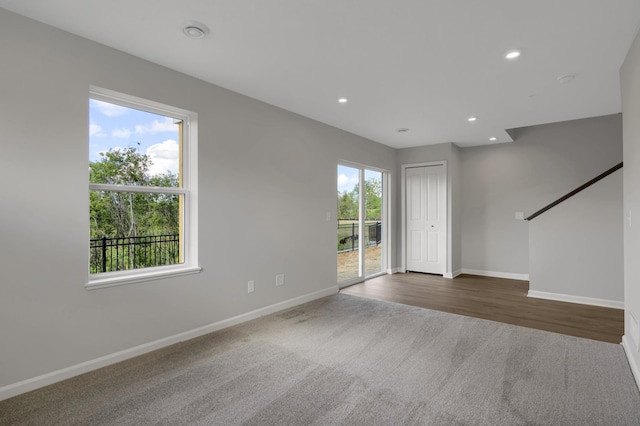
426 65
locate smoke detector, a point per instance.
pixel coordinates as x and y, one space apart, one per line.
193 29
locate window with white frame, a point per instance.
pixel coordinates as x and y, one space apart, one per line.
142 189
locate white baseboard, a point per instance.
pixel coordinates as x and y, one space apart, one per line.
453 274
84 367
392 271
508 275
456 273
628 350
576 299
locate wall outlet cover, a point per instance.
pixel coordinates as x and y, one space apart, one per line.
280 279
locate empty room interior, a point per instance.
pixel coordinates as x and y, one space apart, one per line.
173 250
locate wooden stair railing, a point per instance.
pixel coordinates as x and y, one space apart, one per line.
575 191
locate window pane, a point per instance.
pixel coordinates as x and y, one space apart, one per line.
132 230
348 223
140 184
133 147
373 222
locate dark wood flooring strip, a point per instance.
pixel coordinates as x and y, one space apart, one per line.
495 299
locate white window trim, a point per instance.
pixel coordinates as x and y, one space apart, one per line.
189 190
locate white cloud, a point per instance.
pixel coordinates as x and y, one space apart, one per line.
346 183
121 133
166 125
95 130
164 156
110 110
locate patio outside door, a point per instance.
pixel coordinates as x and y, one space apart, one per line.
360 242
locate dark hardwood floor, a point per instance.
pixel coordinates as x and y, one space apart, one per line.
495 299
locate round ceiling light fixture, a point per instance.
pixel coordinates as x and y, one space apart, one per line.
472 119
193 29
513 54
343 100
493 139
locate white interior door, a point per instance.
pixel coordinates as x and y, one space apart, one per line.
426 221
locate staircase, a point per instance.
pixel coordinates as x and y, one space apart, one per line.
576 245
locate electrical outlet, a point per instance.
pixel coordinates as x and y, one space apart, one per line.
280 279
251 286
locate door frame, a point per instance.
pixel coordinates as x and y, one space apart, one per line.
403 215
386 220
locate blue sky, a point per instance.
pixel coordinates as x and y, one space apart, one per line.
348 177
114 126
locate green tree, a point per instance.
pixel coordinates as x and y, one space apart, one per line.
121 167
348 201
126 214
164 212
120 214
347 205
116 213
373 199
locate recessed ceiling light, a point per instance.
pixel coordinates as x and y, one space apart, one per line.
493 139
193 29
343 100
403 130
472 118
513 54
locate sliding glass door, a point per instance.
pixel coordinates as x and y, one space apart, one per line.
360 236
372 222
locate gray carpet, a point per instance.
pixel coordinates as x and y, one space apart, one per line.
352 361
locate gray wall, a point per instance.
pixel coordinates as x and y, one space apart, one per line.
441 152
630 87
576 247
544 163
266 179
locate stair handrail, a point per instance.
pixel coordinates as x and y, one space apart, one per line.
575 191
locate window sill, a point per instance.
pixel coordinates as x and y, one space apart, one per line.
113 279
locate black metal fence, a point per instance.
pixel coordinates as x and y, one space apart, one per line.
118 254
348 235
